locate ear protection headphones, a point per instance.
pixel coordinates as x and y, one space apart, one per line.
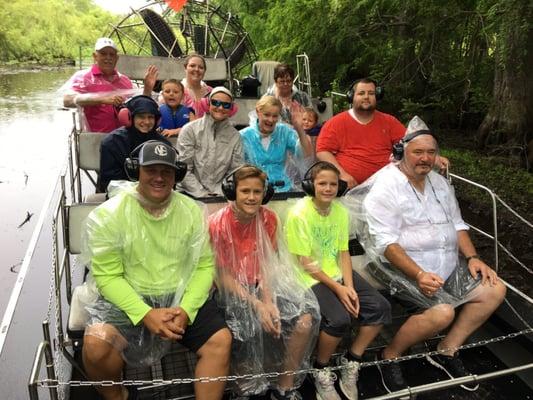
125 114
131 164
398 148
380 91
229 187
308 185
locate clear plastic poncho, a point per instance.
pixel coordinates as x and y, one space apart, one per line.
429 237
274 319
141 260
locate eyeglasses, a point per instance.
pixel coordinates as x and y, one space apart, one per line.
224 104
284 81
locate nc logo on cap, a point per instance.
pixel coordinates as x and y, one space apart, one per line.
160 150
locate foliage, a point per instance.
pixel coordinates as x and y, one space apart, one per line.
49 30
436 60
514 186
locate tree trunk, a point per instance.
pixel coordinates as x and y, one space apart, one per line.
509 121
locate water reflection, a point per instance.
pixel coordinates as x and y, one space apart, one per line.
33 131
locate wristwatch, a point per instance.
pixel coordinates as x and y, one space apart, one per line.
473 256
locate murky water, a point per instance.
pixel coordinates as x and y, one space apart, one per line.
33 131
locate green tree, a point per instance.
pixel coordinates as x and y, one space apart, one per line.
509 120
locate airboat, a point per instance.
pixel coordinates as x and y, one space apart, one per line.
41 335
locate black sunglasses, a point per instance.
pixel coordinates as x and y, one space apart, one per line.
224 104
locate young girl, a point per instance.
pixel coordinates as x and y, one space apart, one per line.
173 114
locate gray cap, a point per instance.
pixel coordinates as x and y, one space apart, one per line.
156 152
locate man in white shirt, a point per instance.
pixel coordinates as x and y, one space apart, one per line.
416 229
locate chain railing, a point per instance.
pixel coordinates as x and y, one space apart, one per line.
55 383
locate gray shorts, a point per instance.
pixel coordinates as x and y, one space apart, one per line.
374 309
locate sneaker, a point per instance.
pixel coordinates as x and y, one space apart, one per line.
452 366
325 385
391 375
287 395
349 376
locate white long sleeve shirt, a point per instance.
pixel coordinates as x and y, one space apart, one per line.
424 224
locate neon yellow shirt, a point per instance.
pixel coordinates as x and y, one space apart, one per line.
135 255
321 238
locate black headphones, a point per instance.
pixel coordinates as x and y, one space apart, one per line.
380 91
308 185
398 148
229 189
131 164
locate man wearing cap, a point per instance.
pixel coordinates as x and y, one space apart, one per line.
425 255
140 117
359 141
100 89
149 256
210 146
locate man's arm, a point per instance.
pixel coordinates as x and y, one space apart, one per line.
104 250
475 265
427 282
203 274
92 99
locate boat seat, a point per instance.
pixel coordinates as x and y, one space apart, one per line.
134 67
264 71
76 214
89 150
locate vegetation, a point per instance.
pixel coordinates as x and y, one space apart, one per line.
48 31
454 63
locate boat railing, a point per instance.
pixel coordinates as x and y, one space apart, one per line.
303 74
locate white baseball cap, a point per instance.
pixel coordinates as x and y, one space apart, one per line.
104 42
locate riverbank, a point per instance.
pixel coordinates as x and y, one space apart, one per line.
16 67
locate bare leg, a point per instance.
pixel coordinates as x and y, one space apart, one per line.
364 337
327 345
213 361
102 361
474 313
295 350
419 327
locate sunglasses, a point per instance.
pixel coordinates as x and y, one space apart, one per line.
224 104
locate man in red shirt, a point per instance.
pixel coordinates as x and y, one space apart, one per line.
359 141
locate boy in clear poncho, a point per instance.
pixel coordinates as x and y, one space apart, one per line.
410 225
150 259
273 318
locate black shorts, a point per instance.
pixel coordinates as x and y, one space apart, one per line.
208 321
145 348
374 309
